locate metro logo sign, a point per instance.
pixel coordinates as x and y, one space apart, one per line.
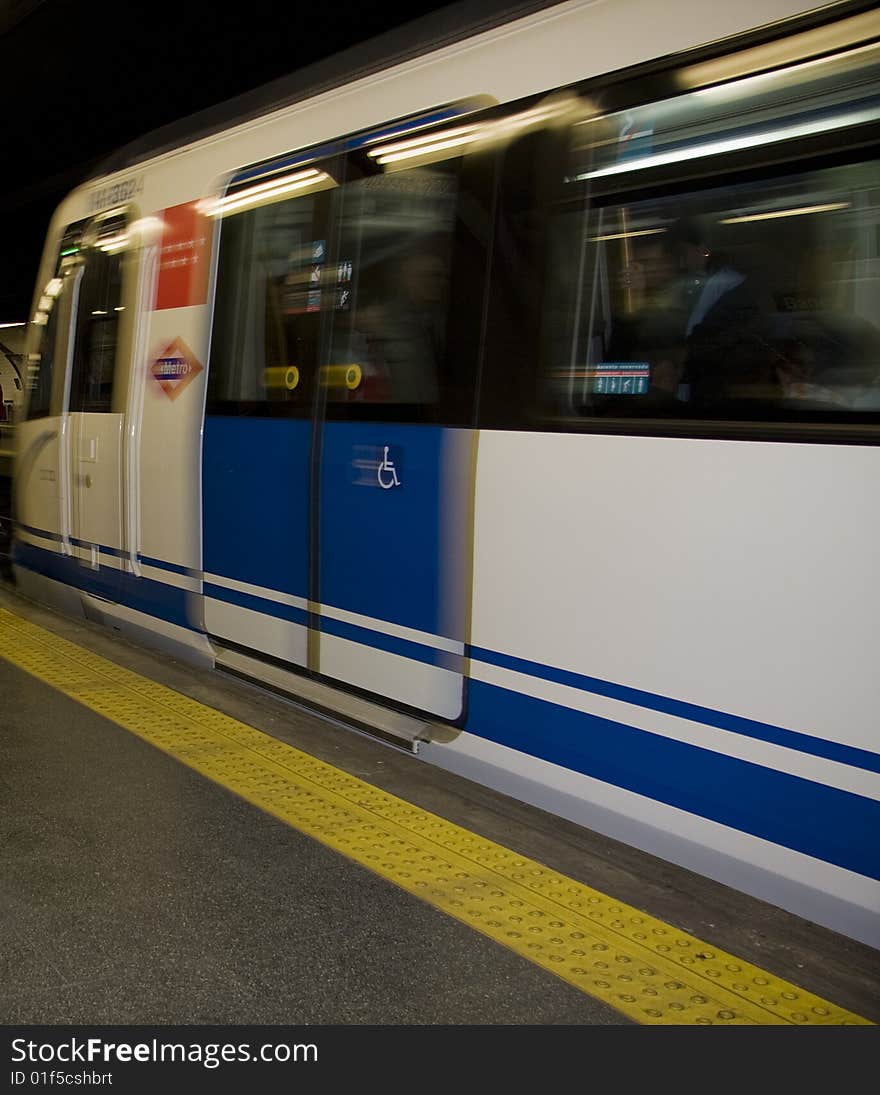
175 368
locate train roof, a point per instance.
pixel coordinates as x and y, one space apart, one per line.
443 27
435 30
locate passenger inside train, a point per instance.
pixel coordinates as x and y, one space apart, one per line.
759 308
402 324
661 284
752 300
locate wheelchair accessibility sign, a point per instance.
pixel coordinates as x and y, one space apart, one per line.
387 473
377 466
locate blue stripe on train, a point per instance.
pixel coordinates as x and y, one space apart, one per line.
173 568
55 537
829 824
257 604
790 739
142 594
376 640
391 644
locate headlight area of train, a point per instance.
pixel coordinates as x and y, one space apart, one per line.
646 969
517 398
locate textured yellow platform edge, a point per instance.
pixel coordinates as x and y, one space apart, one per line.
649 971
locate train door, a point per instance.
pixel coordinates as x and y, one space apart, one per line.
337 450
257 444
393 489
94 434
68 470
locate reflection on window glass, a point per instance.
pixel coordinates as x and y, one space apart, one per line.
750 300
41 363
758 300
821 95
396 240
41 368
383 291
272 287
97 325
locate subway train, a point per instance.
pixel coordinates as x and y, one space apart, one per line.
11 380
12 394
509 387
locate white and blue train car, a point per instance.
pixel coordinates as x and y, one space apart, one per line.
514 394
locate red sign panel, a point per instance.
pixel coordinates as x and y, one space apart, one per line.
184 258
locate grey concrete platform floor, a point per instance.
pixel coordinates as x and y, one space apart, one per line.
132 890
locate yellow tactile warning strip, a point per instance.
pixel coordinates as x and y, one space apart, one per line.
644 968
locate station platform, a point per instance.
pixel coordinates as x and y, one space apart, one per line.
179 847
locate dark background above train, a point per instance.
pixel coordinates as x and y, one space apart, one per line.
82 80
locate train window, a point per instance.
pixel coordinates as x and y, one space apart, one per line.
384 317
753 301
271 292
395 260
691 133
519 305
41 372
672 293
97 320
41 365
413 230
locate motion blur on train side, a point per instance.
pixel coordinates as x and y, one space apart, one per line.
11 369
12 397
517 398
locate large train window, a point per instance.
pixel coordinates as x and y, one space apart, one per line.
367 292
97 317
269 299
708 257
752 301
751 295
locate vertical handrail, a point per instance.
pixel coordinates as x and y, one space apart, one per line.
135 408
